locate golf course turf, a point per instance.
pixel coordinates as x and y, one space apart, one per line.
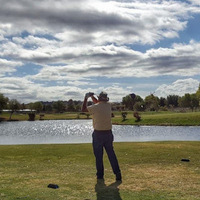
163 118
150 170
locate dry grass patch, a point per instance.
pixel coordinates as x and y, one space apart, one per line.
177 179
159 178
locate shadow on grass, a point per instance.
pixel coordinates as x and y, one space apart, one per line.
110 192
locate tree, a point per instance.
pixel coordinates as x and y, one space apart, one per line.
3 101
124 114
162 102
23 106
48 108
186 100
13 105
139 99
194 101
152 102
30 106
59 106
77 108
129 102
77 105
71 106
139 106
38 106
172 100
198 94
189 101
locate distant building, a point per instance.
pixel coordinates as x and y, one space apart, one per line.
24 111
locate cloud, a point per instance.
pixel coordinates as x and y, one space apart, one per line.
112 61
181 59
107 61
7 66
195 2
90 38
74 43
27 91
179 87
99 22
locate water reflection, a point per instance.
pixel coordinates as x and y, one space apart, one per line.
80 131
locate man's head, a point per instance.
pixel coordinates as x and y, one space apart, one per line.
103 96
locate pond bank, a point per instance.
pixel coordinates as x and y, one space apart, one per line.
147 118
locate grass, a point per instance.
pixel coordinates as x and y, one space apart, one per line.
148 118
161 118
54 116
150 171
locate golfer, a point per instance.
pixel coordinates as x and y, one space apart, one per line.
102 135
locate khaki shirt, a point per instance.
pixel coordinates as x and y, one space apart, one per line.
101 115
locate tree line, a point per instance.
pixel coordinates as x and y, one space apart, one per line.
40 106
149 103
154 103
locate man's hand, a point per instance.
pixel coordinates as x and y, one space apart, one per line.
89 94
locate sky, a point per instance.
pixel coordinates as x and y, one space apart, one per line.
60 49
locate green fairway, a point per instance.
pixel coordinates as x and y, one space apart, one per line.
151 170
161 118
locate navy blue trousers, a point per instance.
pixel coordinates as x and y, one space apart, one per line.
101 140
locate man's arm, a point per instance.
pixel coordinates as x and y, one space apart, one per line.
84 106
94 99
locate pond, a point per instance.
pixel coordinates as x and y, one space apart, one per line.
80 131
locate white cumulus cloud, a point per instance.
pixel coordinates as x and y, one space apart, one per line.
179 87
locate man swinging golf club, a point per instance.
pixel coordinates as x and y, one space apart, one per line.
102 134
